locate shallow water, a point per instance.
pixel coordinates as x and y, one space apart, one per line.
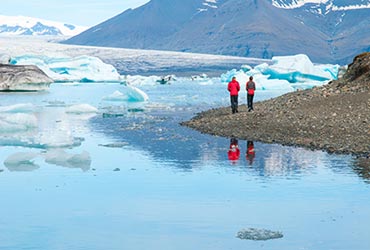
132 178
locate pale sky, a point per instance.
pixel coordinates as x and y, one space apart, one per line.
77 12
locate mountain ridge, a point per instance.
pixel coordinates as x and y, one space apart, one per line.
22 25
248 28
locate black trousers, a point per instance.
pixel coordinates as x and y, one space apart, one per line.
250 102
234 103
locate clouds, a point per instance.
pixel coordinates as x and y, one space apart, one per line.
78 12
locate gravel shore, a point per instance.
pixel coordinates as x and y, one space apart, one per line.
334 117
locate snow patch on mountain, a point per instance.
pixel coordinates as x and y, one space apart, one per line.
208 4
21 25
295 3
330 5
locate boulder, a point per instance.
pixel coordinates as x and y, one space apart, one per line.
23 78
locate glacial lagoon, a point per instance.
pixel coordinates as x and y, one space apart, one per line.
81 167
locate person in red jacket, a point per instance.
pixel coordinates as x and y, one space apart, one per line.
233 87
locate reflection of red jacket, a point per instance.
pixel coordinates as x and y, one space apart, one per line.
233 153
250 153
233 87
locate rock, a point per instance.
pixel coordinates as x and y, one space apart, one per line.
23 78
258 234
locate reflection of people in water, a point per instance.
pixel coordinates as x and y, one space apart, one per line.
250 154
234 151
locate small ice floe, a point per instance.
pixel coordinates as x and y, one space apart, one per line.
17 122
21 161
81 109
131 94
18 108
115 96
258 234
114 145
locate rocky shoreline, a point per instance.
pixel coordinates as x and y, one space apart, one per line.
334 117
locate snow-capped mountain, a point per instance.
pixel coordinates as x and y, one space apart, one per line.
20 25
328 31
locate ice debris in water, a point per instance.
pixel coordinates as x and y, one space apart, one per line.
18 108
81 109
258 234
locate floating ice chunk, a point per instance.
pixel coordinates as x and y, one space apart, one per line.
81 109
116 96
246 68
18 108
77 69
136 95
21 161
61 158
258 234
131 94
17 122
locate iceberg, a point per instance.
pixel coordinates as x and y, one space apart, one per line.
285 72
71 69
299 68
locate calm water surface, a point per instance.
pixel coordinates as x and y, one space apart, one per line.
135 179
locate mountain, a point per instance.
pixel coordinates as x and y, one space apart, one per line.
329 31
20 25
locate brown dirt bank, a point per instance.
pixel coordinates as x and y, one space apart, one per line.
334 117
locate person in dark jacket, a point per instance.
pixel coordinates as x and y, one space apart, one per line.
250 88
233 87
